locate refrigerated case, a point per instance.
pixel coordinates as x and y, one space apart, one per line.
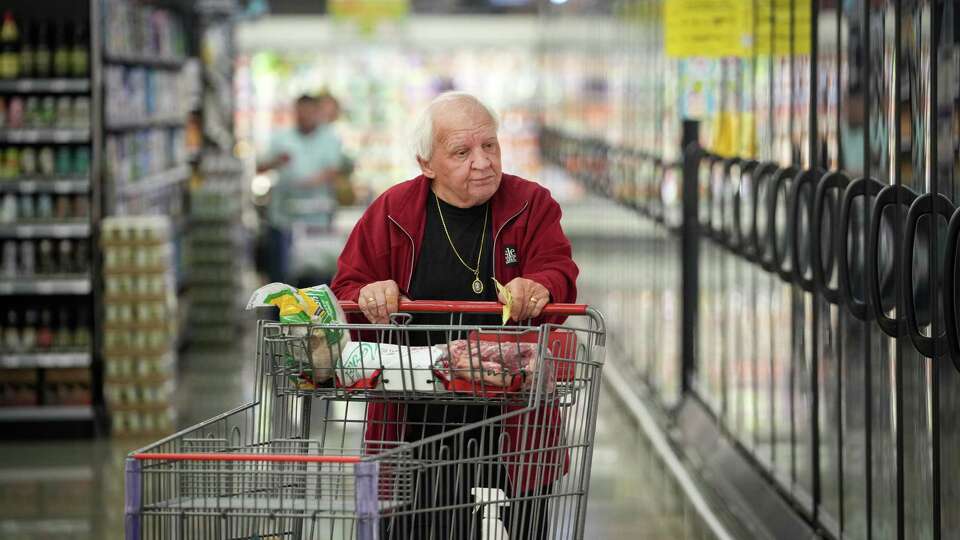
826 347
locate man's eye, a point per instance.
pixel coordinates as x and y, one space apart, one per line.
488 146
462 153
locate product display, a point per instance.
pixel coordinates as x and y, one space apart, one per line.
43 208
43 327
140 311
44 258
144 95
131 156
138 30
44 111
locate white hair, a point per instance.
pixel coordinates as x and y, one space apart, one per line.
423 130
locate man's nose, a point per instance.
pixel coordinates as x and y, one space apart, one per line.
480 160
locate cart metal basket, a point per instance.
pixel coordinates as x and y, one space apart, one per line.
397 431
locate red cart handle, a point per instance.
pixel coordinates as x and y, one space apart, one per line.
273 458
447 306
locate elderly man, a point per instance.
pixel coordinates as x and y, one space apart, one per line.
446 235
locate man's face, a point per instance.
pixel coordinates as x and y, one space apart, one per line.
329 111
465 164
308 116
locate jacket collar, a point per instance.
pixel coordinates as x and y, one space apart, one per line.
410 214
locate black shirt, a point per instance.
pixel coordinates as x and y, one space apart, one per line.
439 274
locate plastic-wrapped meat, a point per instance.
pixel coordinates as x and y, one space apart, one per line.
495 363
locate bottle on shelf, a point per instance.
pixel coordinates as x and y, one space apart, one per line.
79 53
63 337
61 51
66 261
81 336
9 267
43 54
11 332
28 51
9 47
28 335
45 330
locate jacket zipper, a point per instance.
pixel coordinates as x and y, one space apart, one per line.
496 236
413 254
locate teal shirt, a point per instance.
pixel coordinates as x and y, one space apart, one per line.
309 154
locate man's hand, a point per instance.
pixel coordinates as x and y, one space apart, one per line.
378 300
529 298
322 178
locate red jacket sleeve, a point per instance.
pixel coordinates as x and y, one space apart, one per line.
365 257
549 259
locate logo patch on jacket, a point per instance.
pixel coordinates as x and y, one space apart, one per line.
510 255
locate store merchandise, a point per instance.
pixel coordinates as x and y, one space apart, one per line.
140 95
140 310
18 387
43 208
213 254
42 258
494 362
46 111
9 47
141 30
30 326
134 155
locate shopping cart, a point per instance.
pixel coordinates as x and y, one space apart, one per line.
412 431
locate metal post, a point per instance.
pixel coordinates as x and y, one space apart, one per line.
132 499
366 477
690 250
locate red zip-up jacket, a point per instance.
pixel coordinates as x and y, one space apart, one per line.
528 242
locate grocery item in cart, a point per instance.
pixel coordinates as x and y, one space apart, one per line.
498 362
395 367
312 305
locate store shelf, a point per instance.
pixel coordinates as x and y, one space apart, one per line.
156 182
44 360
144 61
46 86
45 230
44 527
46 413
79 184
45 286
44 136
147 123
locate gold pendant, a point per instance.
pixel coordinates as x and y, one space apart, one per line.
477 286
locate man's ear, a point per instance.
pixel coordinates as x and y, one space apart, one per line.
425 168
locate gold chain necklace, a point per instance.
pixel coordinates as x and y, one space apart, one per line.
477 285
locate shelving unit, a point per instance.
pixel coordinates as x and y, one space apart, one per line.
49 369
46 286
45 86
44 136
51 184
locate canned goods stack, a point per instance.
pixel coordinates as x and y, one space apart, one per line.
215 251
140 311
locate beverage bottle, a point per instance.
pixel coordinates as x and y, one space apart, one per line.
9 267
61 51
66 263
45 330
28 50
79 52
81 336
28 260
11 334
42 54
28 335
63 338
9 47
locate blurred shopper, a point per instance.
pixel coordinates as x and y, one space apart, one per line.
446 235
307 159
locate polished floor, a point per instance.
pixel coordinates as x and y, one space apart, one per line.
74 489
